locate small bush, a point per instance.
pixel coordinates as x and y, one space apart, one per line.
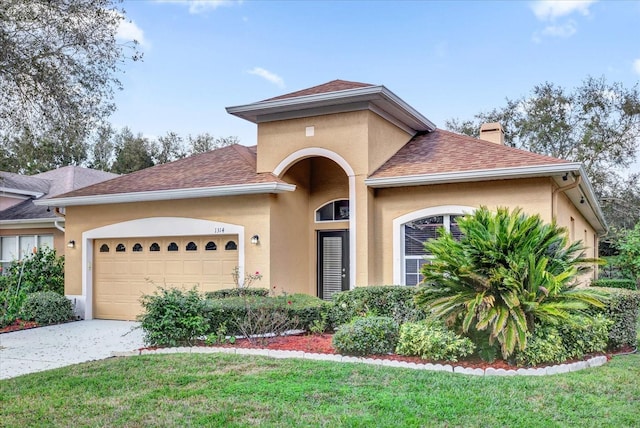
173 317
544 345
11 300
622 308
431 340
41 271
303 309
46 307
392 301
367 336
237 292
585 335
629 284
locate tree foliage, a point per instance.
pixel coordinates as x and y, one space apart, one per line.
597 124
629 253
507 272
58 61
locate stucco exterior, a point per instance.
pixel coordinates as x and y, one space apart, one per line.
359 148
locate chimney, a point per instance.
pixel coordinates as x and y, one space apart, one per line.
492 132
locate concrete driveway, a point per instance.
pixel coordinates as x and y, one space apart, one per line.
45 348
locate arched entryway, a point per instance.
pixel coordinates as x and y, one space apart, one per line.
320 217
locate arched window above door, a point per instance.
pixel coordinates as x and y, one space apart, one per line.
337 210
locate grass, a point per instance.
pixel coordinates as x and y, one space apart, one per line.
227 390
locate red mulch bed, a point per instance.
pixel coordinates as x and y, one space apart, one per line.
19 325
321 344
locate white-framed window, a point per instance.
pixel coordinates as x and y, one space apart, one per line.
19 246
412 229
337 210
414 234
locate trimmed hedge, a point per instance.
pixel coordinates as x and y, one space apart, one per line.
629 284
302 308
623 308
237 292
367 336
393 301
430 340
47 307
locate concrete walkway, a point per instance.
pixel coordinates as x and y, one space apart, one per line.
45 348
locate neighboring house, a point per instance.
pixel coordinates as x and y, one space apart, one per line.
346 182
24 225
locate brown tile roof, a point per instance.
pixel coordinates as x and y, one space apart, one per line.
227 166
333 86
443 151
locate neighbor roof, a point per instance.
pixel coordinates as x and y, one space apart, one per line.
23 184
228 170
72 177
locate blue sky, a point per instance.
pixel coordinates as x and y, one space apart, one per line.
447 59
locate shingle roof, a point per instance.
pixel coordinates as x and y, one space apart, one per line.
232 165
26 183
26 210
333 86
72 177
442 151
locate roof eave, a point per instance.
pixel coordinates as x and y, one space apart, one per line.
591 210
374 97
21 192
161 195
11 224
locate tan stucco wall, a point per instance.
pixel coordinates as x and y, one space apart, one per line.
532 195
385 139
251 211
294 230
578 229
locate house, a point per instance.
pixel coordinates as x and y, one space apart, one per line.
24 225
346 182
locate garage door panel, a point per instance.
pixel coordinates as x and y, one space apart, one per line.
122 278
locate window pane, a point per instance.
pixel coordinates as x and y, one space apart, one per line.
8 244
455 230
27 244
418 231
325 213
341 210
45 241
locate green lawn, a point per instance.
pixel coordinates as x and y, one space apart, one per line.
229 390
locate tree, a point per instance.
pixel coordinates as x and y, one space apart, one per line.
629 253
206 142
132 152
597 124
102 149
170 148
507 271
57 65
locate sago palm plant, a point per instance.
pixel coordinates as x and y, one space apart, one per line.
508 271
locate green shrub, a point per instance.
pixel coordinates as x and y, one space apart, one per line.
585 335
392 301
237 292
173 317
46 307
11 300
431 340
544 345
367 336
40 271
303 309
623 308
629 284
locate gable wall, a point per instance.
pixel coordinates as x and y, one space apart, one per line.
250 211
532 195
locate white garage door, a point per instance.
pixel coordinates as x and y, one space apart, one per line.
127 268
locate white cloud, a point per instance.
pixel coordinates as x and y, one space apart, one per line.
128 30
549 10
267 75
563 30
636 65
202 6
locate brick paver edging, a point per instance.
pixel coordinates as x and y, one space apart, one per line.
540 371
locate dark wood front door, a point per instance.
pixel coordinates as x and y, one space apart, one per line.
333 262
